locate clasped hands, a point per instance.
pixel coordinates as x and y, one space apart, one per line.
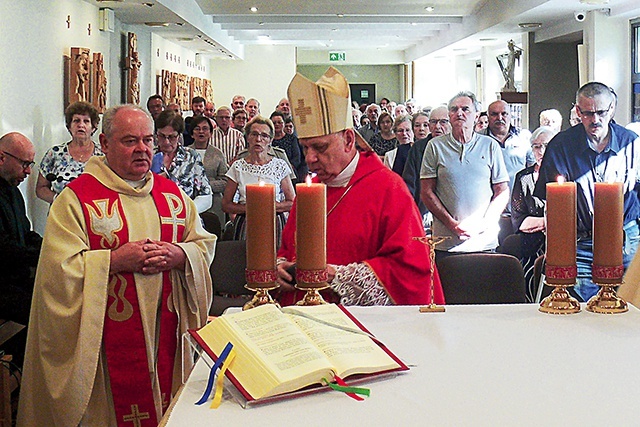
146 257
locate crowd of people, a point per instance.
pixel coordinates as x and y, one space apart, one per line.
393 172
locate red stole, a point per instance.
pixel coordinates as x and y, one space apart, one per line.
123 336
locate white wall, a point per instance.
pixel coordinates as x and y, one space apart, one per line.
353 57
34 38
264 74
438 79
607 41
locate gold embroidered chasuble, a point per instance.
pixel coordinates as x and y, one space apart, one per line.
65 379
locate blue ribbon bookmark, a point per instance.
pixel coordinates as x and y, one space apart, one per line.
212 374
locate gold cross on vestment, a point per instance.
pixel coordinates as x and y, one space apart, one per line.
176 207
135 416
302 111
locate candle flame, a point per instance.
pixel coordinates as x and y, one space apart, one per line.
560 179
261 183
308 180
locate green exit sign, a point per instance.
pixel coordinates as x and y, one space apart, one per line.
337 56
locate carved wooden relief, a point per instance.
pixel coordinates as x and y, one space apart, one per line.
99 83
133 67
78 76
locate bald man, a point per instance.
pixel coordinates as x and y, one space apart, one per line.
19 246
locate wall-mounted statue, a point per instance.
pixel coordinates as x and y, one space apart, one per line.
133 66
99 83
507 62
207 90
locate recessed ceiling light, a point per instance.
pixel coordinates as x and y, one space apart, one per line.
530 25
340 15
156 24
414 24
260 23
253 9
429 8
594 1
488 39
148 4
334 29
179 24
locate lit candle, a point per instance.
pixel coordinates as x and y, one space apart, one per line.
561 232
261 227
311 227
608 216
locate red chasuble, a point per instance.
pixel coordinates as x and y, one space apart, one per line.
374 223
123 338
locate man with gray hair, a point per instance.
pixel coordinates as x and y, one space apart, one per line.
124 272
598 150
373 112
465 184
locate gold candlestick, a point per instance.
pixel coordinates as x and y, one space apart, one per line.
261 282
606 301
560 301
432 242
312 281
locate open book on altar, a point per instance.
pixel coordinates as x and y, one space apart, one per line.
283 350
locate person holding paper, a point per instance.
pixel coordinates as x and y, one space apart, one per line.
124 272
598 150
372 256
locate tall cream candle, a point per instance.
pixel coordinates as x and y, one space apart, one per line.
261 227
608 218
311 227
561 232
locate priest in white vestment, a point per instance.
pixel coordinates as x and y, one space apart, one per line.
123 272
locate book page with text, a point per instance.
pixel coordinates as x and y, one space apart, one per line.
285 350
349 352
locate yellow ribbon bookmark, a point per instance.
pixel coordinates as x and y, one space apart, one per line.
217 397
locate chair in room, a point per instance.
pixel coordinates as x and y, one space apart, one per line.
228 276
512 245
482 278
212 223
506 228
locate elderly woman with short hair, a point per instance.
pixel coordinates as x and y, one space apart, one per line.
63 163
396 158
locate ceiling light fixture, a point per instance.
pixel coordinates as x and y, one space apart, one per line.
429 8
594 1
253 9
340 15
529 25
156 24
148 4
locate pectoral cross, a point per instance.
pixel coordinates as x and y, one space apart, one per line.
135 416
302 111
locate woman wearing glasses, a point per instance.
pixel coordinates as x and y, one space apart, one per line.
396 158
257 167
63 163
180 164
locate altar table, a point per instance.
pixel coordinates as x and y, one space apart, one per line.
480 365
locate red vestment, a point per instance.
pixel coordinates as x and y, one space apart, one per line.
374 223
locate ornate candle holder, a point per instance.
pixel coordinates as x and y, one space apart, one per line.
312 281
432 242
560 302
606 301
261 282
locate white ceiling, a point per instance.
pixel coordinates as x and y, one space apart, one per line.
221 27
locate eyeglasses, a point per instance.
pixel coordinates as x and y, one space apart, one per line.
539 147
591 114
400 130
171 138
257 135
202 129
440 121
26 164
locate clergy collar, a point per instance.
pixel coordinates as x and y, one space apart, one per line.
344 177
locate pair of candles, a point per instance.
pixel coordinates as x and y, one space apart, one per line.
561 229
311 201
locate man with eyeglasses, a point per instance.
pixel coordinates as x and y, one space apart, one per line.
124 272
19 246
599 150
225 138
464 182
438 125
